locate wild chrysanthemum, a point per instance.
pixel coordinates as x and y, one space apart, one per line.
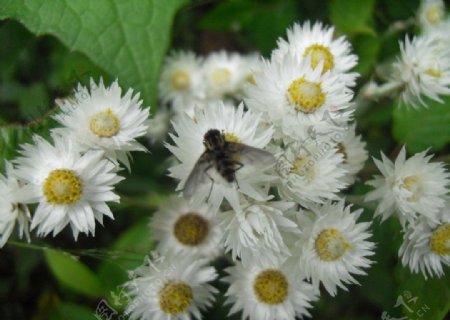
426 248
423 70
292 95
237 126
71 188
318 41
409 187
431 13
310 171
100 118
12 206
167 288
256 234
181 81
186 229
268 292
333 246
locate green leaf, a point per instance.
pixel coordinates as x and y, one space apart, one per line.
131 248
126 38
73 274
423 128
432 295
366 47
351 16
71 311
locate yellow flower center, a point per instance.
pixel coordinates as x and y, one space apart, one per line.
221 76
440 240
341 150
307 96
434 15
271 286
320 53
433 72
330 245
175 297
231 137
191 229
62 187
180 80
105 124
412 183
250 78
304 167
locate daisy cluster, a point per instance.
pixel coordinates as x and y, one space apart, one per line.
416 191
260 182
70 179
423 68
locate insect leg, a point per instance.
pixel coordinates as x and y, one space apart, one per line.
240 165
212 181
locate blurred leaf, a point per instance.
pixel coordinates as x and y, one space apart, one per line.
228 15
366 47
401 9
423 128
73 274
128 39
71 311
351 16
433 295
132 246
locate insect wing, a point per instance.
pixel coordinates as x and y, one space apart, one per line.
197 176
253 156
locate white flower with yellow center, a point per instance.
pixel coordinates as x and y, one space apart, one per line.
256 234
353 150
223 74
431 13
318 41
181 81
426 248
268 292
409 187
423 69
293 95
100 118
12 206
70 188
169 288
333 246
186 229
310 171
237 126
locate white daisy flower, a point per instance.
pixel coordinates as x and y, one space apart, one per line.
431 13
168 288
333 246
317 40
237 126
409 187
181 81
426 248
310 171
268 292
70 188
354 152
186 229
251 64
99 118
292 95
423 69
223 74
256 234
12 206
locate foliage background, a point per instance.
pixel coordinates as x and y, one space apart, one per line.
48 46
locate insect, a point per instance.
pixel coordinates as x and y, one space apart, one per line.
226 158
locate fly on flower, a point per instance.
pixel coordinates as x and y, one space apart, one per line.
226 157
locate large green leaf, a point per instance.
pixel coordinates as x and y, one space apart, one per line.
352 16
71 311
423 128
73 274
126 38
